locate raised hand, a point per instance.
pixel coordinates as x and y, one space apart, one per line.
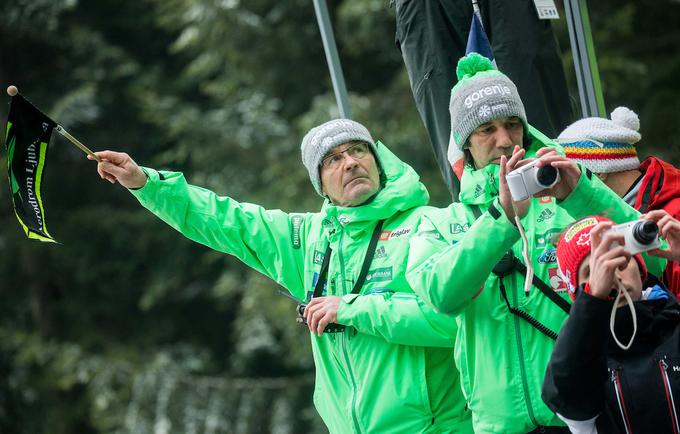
119 167
669 229
569 173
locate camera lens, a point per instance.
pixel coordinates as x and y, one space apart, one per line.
546 176
645 232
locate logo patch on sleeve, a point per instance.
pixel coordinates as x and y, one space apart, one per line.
296 224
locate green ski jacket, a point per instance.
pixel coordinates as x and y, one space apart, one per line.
502 359
392 369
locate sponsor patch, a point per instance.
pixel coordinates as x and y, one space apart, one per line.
549 256
380 252
458 228
431 234
296 224
546 239
379 274
380 290
545 199
318 257
478 190
578 226
546 214
396 233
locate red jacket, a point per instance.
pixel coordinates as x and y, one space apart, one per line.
660 189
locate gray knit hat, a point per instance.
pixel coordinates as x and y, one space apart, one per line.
320 140
482 94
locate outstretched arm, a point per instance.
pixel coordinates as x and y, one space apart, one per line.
270 241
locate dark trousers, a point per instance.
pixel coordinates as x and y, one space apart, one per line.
432 36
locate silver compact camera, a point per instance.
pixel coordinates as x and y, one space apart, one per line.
528 180
639 235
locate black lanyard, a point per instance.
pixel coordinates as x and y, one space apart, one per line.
510 263
318 288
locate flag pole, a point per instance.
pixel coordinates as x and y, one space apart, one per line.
13 91
585 62
332 58
77 142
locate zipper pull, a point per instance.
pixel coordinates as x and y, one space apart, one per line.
663 363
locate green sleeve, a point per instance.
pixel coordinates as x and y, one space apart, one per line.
399 318
449 276
263 239
591 196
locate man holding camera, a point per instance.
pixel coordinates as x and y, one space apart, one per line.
476 269
390 368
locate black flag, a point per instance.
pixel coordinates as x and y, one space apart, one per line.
27 138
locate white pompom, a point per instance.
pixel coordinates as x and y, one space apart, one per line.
626 118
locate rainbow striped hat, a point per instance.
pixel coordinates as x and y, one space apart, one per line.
604 145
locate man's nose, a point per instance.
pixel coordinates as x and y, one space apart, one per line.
503 139
348 161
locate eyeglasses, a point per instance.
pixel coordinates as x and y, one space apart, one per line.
333 161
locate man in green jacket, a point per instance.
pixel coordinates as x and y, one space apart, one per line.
502 353
390 370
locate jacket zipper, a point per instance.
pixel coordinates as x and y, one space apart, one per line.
344 341
663 368
616 380
522 368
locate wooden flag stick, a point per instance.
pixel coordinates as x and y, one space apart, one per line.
13 91
76 142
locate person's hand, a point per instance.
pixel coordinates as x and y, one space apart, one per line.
320 312
669 229
119 167
507 166
569 173
605 259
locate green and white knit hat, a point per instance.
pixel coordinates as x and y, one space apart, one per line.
482 94
323 138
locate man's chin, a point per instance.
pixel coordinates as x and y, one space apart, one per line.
359 194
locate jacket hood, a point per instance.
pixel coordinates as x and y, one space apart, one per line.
660 185
402 190
480 186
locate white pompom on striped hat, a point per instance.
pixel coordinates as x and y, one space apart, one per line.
603 145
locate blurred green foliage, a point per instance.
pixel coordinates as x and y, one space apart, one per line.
128 327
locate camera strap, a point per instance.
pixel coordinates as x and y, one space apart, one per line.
506 266
323 273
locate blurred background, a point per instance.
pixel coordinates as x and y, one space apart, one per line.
126 327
